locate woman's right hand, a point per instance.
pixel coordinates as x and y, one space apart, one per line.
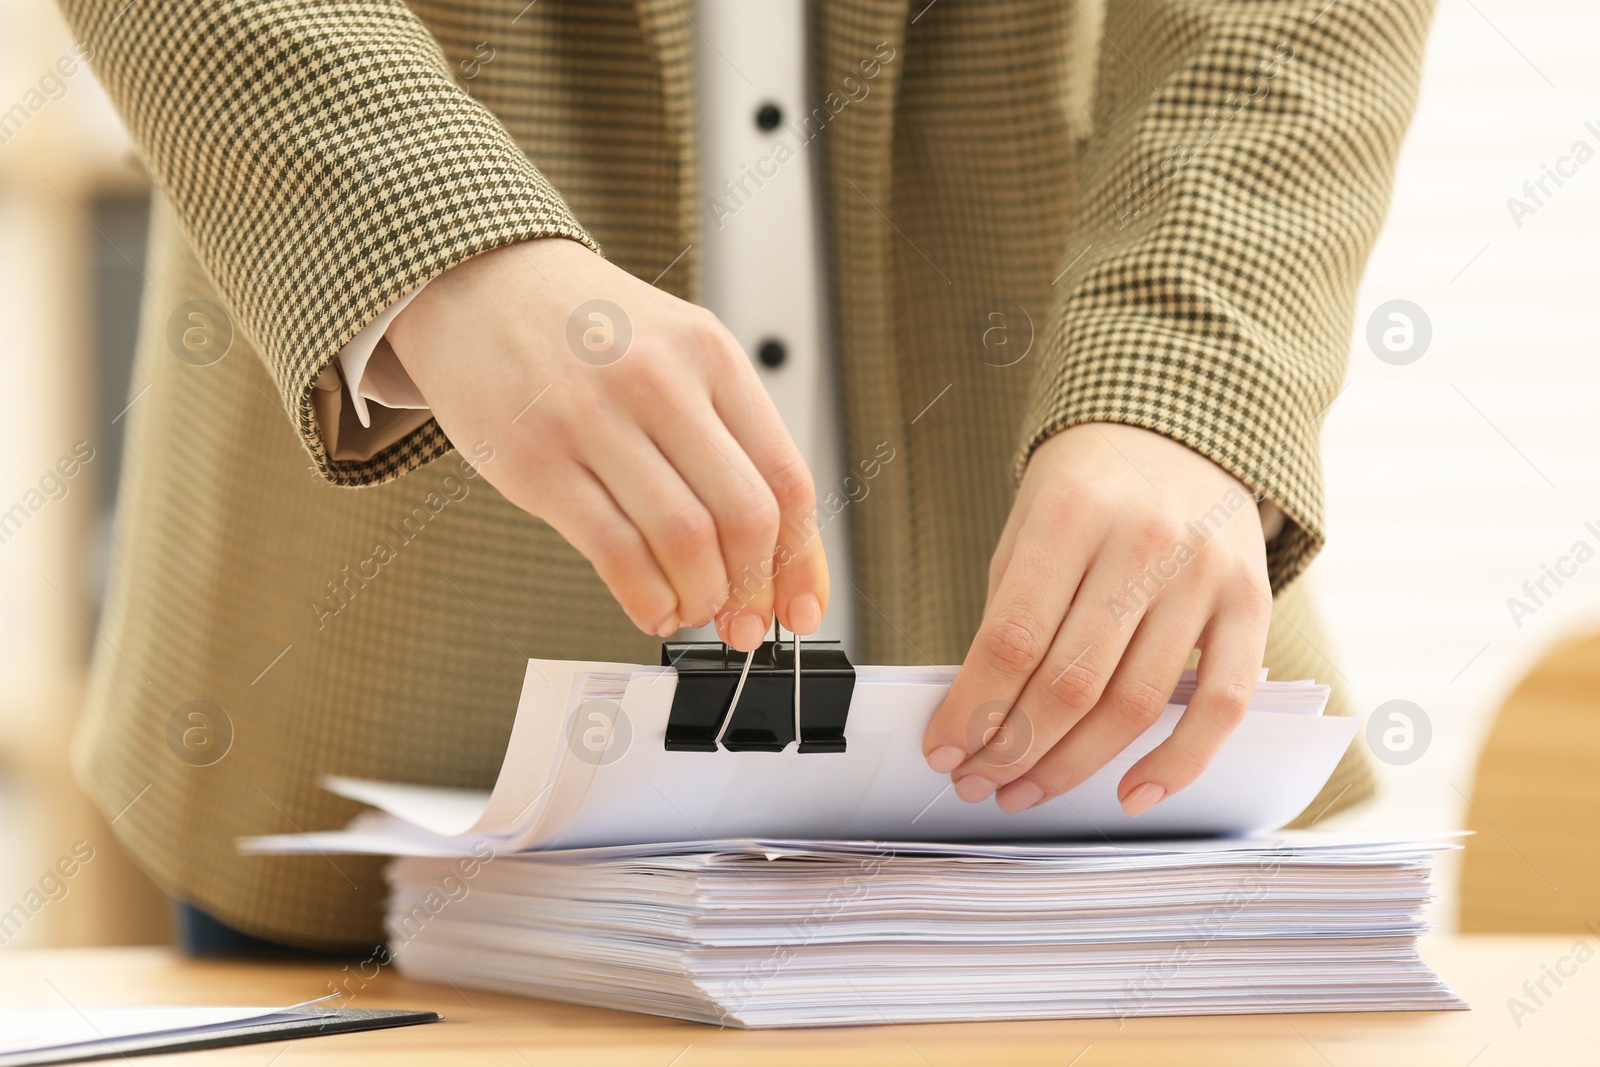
634 424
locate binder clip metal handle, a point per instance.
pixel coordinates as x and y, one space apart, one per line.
777 695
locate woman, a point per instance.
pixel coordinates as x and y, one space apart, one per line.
380 201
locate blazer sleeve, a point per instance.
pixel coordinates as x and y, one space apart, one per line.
322 162
1238 174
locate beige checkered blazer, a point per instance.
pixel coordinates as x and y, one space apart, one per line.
1187 249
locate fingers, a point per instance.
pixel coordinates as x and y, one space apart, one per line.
679 440
1131 703
593 524
1069 683
672 520
799 589
1000 562
1230 660
1051 554
741 504
1088 625
700 475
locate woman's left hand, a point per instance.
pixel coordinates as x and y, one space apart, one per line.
1124 552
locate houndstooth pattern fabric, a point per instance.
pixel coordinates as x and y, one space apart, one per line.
316 160
1225 216
323 161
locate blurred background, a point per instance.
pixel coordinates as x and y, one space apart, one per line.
1462 458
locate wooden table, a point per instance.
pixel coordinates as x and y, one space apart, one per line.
485 1028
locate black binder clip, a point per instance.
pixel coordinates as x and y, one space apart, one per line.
756 706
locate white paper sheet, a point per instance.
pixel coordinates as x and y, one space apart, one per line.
552 795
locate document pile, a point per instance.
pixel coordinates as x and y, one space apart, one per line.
786 934
620 862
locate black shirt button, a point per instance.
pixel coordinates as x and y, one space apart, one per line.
768 117
772 353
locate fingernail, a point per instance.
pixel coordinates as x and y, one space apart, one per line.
805 614
974 788
1142 798
746 633
946 758
668 628
1019 795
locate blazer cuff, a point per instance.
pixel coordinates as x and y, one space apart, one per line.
1235 405
365 401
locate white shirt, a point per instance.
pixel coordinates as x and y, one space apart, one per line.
761 243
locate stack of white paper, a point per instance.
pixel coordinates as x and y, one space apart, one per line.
744 888
758 934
